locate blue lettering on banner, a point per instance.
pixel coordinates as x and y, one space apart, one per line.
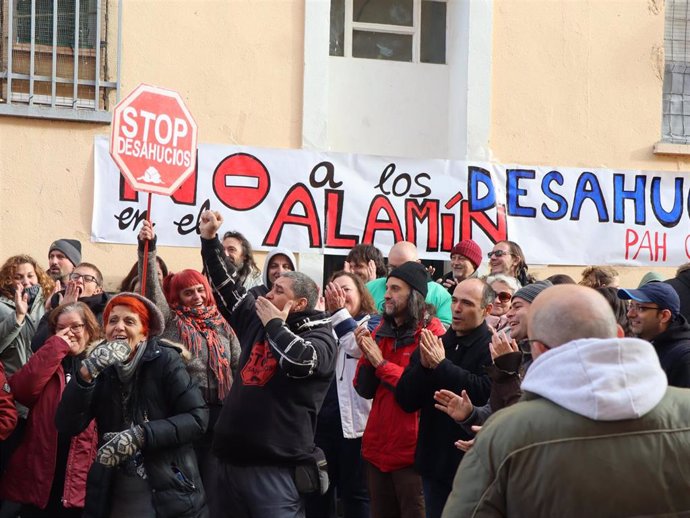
561 202
477 175
636 195
588 188
513 193
672 217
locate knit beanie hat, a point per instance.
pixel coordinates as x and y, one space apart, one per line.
530 292
151 317
650 277
414 274
70 247
469 249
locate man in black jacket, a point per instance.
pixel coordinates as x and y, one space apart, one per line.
654 314
455 362
266 428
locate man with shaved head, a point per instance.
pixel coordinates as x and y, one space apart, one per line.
598 433
437 296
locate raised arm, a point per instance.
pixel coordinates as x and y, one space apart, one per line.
153 291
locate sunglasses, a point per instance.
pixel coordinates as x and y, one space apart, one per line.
497 253
504 296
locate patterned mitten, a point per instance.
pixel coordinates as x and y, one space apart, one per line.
120 446
104 355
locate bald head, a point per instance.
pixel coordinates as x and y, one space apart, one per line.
402 253
569 312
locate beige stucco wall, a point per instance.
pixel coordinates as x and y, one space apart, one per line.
238 65
579 83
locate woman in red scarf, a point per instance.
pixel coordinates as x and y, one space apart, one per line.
192 319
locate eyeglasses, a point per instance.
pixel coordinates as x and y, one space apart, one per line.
75 328
87 278
497 253
504 296
637 308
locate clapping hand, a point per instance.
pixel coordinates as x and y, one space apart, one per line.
500 344
457 407
368 346
335 297
431 350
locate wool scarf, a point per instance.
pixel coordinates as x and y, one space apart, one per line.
200 324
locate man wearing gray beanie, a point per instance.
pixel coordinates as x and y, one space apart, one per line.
63 256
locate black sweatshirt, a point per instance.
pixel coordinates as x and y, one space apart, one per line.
285 369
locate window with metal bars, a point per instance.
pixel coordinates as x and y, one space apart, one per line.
59 58
676 94
393 30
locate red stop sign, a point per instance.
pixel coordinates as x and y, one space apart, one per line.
153 139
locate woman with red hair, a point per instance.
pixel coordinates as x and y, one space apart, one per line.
192 319
148 414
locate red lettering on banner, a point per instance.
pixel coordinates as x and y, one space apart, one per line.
334 216
299 194
427 210
373 224
635 243
495 231
447 232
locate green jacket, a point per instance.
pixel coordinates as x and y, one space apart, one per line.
539 459
437 296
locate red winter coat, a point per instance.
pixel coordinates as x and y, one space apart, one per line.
29 475
390 437
8 412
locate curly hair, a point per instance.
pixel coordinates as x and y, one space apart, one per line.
598 276
9 270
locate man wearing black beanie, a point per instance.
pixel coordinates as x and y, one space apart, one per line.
390 437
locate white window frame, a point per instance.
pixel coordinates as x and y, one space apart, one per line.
74 107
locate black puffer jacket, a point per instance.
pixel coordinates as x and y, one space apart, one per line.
172 412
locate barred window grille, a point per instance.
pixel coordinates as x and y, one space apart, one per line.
59 59
676 96
392 30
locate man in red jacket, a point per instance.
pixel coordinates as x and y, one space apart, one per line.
390 437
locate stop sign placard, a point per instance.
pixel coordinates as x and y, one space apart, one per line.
153 139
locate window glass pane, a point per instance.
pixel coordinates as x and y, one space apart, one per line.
44 22
377 45
337 27
433 36
389 12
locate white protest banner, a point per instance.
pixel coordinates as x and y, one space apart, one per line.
310 201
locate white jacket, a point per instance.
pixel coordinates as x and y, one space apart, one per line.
354 409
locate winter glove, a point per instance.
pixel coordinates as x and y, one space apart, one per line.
120 446
104 355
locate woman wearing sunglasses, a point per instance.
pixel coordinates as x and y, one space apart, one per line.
47 472
504 287
507 258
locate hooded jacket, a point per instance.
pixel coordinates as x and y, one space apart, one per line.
673 348
284 372
598 433
262 289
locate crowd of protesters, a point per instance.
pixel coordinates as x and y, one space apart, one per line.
245 392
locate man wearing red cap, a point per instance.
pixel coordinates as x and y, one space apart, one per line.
465 258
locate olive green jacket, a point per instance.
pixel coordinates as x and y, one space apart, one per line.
539 459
